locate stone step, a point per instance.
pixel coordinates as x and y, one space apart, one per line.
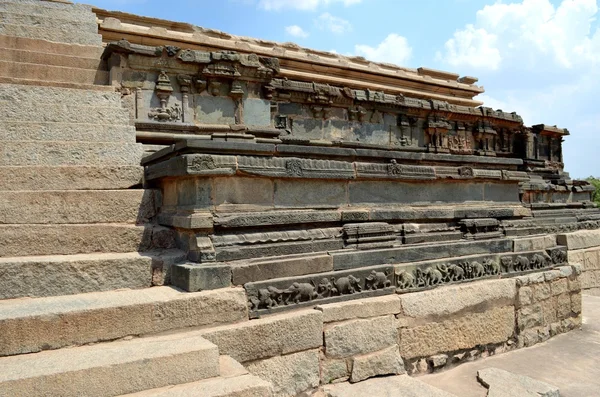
63 96
39 20
110 369
53 5
39 45
82 132
135 206
233 381
82 239
36 153
58 84
56 275
69 177
53 73
59 113
31 325
59 35
41 58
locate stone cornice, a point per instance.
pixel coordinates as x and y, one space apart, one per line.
296 62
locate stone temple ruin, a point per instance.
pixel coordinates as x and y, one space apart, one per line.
324 219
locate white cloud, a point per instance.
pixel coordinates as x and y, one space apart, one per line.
531 32
336 25
296 31
303 5
393 49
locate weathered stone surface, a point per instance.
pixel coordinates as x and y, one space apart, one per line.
364 308
290 374
559 286
393 386
281 267
444 301
360 336
384 362
31 325
192 277
535 243
524 297
57 153
102 206
50 33
65 132
73 274
334 370
272 336
502 383
69 177
495 325
116 368
78 239
236 386
580 239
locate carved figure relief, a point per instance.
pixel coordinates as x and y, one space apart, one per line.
377 280
465 172
201 163
163 92
394 168
293 167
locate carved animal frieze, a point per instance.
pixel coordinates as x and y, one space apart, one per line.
405 280
377 280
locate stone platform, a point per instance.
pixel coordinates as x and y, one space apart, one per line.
162 184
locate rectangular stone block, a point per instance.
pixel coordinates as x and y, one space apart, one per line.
445 301
541 291
563 306
363 308
280 267
580 239
78 206
559 286
30 325
590 279
153 362
360 336
384 362
311 194
38 276
334 370
492 326
536 243
529 317
203 277
243 191
291 374
272 336
524 297
576 303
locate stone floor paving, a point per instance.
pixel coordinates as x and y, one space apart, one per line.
570 362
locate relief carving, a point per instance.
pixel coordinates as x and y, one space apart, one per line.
293 167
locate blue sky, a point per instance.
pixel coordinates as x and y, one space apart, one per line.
540 58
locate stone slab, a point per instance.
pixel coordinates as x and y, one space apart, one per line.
116 368
80 239
534 243
384 362
49 33
501 383
31 325
394 386
66 132
363 308
272 336
357 337
290 374
349 259
458 299
280 267
40 45
70 177
72 206
38 276
238 386
580 239
38 20
492 326
57 113
59 153
195 277
53 95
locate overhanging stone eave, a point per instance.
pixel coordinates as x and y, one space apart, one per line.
139 30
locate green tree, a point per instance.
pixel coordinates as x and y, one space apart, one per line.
596 183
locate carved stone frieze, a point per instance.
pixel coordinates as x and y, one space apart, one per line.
393 170
414 277
276 295
295 167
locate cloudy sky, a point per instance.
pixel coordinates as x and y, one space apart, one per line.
540 58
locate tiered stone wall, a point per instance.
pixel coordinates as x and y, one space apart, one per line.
416 332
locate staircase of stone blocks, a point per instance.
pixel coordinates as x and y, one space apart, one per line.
81 261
